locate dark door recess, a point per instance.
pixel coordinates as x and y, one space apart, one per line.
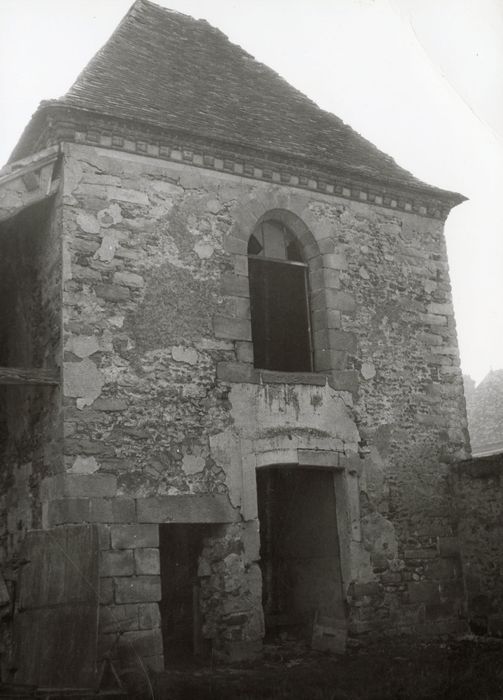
180 546
280 315
299 550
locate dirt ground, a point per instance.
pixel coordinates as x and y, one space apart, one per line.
399 669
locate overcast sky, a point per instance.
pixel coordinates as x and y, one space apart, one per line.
422 79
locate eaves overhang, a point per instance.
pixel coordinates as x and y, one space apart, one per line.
55 122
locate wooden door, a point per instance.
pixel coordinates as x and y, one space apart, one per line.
56 626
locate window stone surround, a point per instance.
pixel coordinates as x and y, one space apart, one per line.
328 302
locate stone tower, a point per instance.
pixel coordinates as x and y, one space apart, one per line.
229 332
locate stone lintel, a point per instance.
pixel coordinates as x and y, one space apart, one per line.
204 508
327 459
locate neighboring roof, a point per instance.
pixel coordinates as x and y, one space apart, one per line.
169 70
484 408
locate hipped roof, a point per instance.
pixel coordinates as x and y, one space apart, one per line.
172 71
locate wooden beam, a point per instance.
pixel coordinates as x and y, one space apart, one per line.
23 376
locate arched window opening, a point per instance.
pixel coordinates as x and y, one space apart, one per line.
279 300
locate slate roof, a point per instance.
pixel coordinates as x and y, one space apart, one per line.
167 69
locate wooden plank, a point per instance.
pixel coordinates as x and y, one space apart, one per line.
24 376
56 628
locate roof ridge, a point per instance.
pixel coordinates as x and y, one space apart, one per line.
172 71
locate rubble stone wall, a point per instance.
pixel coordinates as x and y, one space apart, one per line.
478 491
162 400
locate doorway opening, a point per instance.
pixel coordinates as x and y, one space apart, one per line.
180 546
299 550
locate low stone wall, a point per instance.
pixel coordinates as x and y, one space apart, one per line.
478 489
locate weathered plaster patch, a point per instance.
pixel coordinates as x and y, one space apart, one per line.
213 206
110 215
192 464
379 538
271 407
84 465
368 371
117 321
88 222
83 381
182 354
204 250
108 246
82 345
226 451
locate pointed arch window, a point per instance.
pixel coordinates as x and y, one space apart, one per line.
279 300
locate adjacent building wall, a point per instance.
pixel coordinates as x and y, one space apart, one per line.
478 491
30 425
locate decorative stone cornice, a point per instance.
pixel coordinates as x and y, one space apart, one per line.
54 124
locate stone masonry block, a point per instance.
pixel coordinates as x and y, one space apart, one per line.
117 562
232 328
235 286
318 301
103 536
309 378
78 486
236 246
68 510
242 308
345 380
118 618
322 359
138 589
250 538
129 279
237 372
334 318
106 591
338 359
113 510
336 261
319 320
318 458
320 340
204 508
134 536
244 352
147 561
241 265
341 301
149 616
112 292
342 340
326 319
331 278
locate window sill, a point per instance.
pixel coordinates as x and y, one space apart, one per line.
243 373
